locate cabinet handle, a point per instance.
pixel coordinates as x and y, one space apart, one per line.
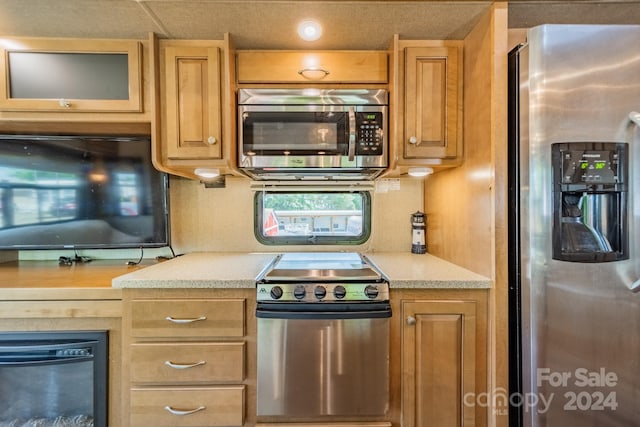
176 320
411 320
182 412
413 141
64 103
314 73
212 140
183 365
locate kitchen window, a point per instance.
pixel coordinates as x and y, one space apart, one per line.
312 217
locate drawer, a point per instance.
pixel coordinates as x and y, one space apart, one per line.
192 407
185 318
305 67
183 363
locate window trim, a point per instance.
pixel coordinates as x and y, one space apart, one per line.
258 220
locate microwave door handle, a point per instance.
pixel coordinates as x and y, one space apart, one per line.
352 134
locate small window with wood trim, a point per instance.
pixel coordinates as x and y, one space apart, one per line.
312 217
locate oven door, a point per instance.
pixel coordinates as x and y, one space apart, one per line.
322 359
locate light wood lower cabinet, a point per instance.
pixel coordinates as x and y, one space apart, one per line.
187 363
185 317
178 373
193 407
443 358
185 358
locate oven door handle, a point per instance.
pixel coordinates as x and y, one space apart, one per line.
323 311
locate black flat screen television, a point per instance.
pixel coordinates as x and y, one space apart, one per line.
81 192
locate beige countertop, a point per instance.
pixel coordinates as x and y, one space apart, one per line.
239 270
407 270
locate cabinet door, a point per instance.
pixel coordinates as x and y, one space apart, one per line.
432 103
438 359
312 67
194 119
71 76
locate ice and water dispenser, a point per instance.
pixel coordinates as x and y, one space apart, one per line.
590 189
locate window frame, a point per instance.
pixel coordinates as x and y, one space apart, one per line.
258 221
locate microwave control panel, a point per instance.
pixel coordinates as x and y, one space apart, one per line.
370 133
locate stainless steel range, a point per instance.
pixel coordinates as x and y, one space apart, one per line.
323 337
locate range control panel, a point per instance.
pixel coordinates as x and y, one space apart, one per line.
322 292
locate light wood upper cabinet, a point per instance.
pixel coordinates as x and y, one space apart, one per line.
432 103
194 130
71 75
426 103
443 361
193 103
255 67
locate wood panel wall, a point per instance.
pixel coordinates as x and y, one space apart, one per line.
467 206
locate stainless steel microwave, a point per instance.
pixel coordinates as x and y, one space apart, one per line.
312 133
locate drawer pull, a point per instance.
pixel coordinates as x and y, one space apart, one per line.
176 320
183 365
182 412
314 73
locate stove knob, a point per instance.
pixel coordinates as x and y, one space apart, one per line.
320 292
299 292
339 292
276 292
371 291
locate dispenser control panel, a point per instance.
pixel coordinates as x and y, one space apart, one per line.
590 163
590 166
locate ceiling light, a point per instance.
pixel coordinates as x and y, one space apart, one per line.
207 173
309 30
420 172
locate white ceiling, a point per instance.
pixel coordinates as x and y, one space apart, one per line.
270 24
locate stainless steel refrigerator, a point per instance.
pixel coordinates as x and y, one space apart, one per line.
574 227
